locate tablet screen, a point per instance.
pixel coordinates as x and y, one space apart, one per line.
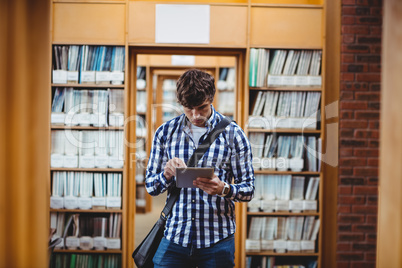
185 176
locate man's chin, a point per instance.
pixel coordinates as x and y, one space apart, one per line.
198 123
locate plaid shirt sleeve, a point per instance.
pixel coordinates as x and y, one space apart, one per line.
156 183
241 161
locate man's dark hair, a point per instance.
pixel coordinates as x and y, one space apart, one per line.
194 87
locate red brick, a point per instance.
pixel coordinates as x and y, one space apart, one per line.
350 256
366 152
375 68
342 189
367 134
375 49
345 152
353 162
364 209
351 199
357 68
370 20
375 87
367 115
372 162
368 39
348 10
347 76
374 143
354 105
353 142
371 257
348 20
347 58
346 133
348 39
374 125
349 2
348 86
353 124
362 10
355 48
347 115
372 237
344 209
347 29
344 228
369 3
364 246
363 264
376 11
375 30
368 77
343 246
345 171
372 200
351 218
345 180
368 58
370 190
365 171
373 105
372 219
368 96
371 228
347 95
340 264
372 181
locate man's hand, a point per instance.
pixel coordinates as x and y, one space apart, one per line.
170 168
211 186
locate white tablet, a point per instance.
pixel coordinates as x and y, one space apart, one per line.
185 176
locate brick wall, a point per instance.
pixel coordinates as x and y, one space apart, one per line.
359 133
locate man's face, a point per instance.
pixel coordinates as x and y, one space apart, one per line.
199 115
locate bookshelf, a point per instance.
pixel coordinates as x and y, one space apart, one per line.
259 24
283 110
88 201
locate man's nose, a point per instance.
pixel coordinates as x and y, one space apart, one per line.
195 113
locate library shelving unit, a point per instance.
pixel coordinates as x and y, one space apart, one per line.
283 111
88 201
238 28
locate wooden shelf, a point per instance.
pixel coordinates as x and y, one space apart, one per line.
270 253
88 169
87 210
111 251
282 214
284 130
55 127
319 89
82 86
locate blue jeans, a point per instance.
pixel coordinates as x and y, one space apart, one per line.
219 255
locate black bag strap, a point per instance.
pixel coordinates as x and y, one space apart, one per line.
200 151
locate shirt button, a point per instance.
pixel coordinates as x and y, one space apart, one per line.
193 201
192 219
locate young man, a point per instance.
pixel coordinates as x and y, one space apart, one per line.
200 229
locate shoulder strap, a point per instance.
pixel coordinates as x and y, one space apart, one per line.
200 151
